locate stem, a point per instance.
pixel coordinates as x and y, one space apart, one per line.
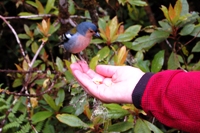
36 55
27 17
17 39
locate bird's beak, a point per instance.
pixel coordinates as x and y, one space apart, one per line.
97 34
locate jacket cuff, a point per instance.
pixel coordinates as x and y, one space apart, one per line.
139 90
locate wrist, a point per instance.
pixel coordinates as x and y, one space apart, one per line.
139 89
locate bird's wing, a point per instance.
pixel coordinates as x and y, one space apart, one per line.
66 36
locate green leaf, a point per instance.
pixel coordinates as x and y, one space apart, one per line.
196 48
28 43
27 30
196 67
87 14
173 62
36 63
165 26
94 62
139 56
102 23
141 43
60 97
71 120
39 81
189 18
190 58
54 28
31 3
113 26
59 64
146 42
144 65
103 53
69 76
51 102
185 51
185 7
196 31
159 35
137 3
68 109
158 61
178 8
120 126
123 2
97 41
49 5
115 111
165 12
41 116
180 59
129 33
187 29
73 58
141 127
16 83
71 7
40 7
34 47
152 127
23 36
67 64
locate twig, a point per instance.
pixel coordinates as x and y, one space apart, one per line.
168 43
150 14
36 55
17 39
27 79
28 17
69 20
20 94
189 41
22 71
76 16
32 95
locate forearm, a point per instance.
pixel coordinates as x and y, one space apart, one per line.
172 96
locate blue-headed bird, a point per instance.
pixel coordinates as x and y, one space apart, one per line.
76 40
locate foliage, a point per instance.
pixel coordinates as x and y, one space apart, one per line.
42 94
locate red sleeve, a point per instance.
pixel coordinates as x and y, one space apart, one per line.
173 97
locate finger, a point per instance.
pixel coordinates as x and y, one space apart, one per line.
92 74
88 85
84 66
106 70
76 66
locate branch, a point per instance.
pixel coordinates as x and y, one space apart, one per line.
36 55
28 17
2 123
17 39
32 95
150 14
189 41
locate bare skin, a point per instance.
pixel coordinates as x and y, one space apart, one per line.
111 84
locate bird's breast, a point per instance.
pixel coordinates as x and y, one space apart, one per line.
78 44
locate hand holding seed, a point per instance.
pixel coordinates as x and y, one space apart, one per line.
108 83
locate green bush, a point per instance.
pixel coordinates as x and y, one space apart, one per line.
42 94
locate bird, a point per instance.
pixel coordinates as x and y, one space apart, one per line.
77 39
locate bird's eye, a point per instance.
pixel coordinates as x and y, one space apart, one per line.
91 31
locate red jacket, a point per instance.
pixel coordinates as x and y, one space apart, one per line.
172 96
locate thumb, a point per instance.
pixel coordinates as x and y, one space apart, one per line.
106 70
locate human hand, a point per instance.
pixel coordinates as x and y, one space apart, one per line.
116 83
